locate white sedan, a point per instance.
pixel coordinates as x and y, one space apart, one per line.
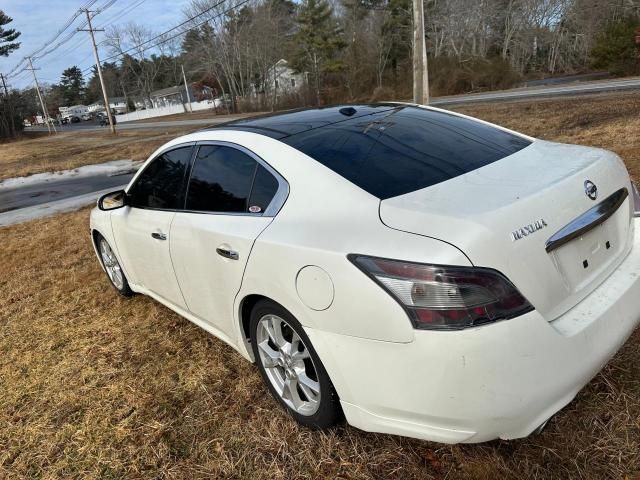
417 271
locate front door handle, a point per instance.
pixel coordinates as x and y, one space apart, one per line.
159 236
227 252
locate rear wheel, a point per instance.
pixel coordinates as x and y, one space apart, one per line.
113 269
291 367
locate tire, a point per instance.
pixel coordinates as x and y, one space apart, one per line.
291 367
112 267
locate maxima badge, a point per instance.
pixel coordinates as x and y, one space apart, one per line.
528 229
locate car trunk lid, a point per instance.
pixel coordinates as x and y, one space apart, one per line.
504 214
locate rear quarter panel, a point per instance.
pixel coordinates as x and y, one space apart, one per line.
324 219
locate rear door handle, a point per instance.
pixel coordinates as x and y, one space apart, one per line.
227 252
159 236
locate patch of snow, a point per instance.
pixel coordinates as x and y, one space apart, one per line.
115 167
47 209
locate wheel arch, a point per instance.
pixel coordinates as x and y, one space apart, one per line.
95 236
244 313
245 307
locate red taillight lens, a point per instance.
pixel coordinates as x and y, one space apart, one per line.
636 200
446 297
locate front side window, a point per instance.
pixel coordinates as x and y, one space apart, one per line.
160 185
227 180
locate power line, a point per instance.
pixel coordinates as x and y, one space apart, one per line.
166 39
47 48
73 33
67 24
121 13
143 47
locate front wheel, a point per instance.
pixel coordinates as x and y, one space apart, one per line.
291 367
113 268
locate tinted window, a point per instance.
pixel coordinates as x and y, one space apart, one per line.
221 180
281 125
405 149
160 184
265 187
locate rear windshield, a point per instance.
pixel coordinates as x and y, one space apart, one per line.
405 149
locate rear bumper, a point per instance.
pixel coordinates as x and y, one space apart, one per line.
496 381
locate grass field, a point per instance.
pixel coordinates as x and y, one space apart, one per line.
42 153
96 386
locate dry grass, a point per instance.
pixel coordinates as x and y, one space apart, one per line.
38 153
96 386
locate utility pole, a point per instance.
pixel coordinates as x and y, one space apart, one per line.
186 88
42 104
420 70
95 52
9 109
6 92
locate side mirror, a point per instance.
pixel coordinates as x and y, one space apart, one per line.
112 200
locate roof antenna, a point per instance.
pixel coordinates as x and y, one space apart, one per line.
348 111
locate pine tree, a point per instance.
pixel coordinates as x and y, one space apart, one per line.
72 85
8 119
7 37
318 40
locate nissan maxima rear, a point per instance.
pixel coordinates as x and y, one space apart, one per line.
415 271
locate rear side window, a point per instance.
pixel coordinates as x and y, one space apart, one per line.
405 149
265 187
161 183
221 180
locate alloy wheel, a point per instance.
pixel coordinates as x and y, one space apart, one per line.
288 365
111 265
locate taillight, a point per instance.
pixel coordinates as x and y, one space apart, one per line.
636 200
443 297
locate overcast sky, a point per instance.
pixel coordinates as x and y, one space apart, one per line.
39 20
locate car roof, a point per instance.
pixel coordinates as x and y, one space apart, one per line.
284 124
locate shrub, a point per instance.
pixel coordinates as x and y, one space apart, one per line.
450 76
615 48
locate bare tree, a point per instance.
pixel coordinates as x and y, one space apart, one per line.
131 41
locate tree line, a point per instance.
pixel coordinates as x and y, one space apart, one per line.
356 50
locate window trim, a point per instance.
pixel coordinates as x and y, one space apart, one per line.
277 202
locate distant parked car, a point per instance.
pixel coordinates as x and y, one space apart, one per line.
26 123
103 120
75 119
64 120
85 116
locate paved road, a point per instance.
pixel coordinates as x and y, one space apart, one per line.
54 190
553 91
584 77
502 95
89 126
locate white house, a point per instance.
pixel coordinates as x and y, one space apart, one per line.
73 111
178 95
283 79
117 104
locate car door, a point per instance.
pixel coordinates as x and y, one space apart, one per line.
231 197
141 229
